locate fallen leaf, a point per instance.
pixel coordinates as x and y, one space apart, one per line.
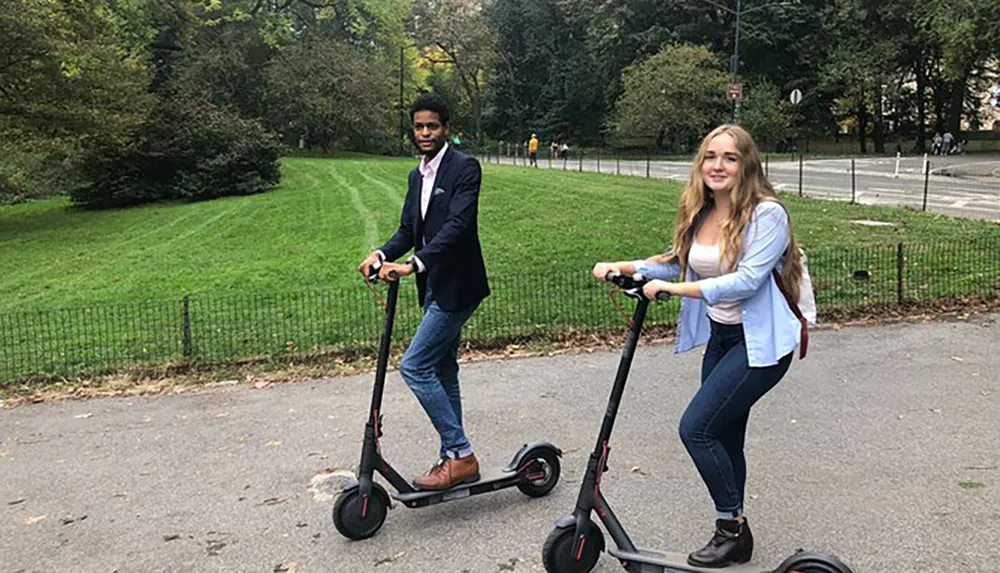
273 501
637 470
81 416
274 443
171 537
16 501
286 568
34 520
957 359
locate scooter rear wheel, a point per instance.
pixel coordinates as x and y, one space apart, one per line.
543 476
558 555
357 519
812 562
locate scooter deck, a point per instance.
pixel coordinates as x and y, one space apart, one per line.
659 562
489 480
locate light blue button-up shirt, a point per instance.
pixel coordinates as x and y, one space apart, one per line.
769 325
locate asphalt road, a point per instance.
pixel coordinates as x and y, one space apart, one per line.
877 181
881 447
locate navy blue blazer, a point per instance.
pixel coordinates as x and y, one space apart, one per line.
446 240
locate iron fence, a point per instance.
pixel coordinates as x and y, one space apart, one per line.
219 329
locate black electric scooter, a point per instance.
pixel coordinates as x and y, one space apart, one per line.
361 507
576 542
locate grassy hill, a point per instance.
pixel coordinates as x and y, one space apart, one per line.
327 214
274 275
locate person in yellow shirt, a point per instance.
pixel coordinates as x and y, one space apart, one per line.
533 150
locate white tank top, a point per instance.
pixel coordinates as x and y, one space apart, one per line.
704 260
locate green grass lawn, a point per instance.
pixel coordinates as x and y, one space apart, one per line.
275 273
311 232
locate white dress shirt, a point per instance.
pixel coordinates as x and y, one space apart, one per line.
428 170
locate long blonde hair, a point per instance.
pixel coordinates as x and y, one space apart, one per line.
750 188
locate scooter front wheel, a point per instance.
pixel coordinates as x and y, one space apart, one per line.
358 518
812 562
540 472
558 555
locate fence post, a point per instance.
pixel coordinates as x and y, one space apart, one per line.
852 181
581 162
647 164
767 167
186 345
598 160
618 164
927 174
800 175
899 273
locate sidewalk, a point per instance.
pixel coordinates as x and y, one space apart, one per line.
881 447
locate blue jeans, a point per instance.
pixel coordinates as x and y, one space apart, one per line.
430 369
714 425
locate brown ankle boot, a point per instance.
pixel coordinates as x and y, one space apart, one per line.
448 473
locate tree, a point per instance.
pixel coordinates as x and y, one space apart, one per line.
329 94
765 114
66 85
454 33
674 96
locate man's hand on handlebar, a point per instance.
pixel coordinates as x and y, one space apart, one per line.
393 271
365 267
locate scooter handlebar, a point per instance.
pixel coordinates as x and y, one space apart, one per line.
373 270
632 285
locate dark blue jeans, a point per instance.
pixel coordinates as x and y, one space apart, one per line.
714 425
430 369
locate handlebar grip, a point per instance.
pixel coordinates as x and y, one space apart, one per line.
662 296
373 271
393 275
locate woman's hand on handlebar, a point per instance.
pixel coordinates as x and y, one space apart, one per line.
654 287
601 270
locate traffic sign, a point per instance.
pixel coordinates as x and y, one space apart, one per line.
735 92
796 96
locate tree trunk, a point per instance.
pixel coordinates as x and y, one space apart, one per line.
956 106
879 122
921 106
862 121
939 106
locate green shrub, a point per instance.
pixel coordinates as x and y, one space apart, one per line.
188 149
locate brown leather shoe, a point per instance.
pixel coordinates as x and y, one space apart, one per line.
448 473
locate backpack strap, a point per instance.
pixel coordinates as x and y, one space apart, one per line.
804 330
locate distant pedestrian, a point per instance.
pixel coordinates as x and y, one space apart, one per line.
947 143
533 150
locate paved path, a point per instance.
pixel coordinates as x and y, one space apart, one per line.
877 181
881 447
